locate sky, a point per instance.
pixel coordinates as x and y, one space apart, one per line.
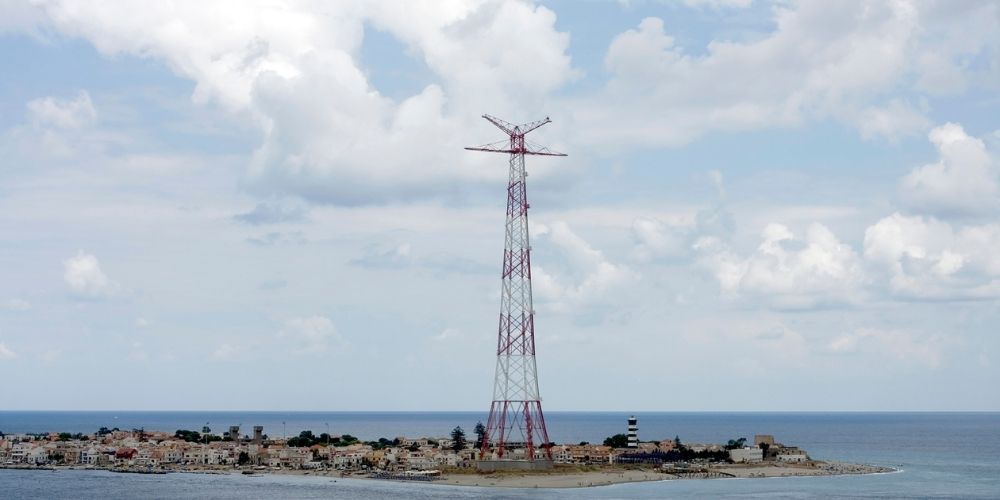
766 206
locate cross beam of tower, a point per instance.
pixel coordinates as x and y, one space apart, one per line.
516 417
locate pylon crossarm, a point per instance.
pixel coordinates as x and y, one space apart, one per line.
531 148
504 125
504 147
494 147
528 127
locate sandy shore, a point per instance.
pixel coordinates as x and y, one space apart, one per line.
554 480
616 476
581 479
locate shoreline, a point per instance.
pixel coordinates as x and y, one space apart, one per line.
550 479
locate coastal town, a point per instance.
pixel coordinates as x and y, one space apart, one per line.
451 459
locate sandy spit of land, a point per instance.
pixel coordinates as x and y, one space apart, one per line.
607 477
581 479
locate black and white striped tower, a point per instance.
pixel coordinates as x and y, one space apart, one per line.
633 432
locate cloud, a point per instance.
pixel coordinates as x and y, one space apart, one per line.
17 305
590 285
377 257
658 239
271 213
402 255
278 237
62 113
926 258
854 64
719 4
895 119
674 238
897 344
964 180
310 335
447 335
6 353
83 274
226 352
294 70
788 272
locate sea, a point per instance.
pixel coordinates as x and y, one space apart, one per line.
937 455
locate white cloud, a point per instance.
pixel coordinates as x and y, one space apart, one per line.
788 272
656 238
447 334
892 120
16 304
852 63
964 180
272 213
6 353
719 4
900 345
295 69
62 113
377 257
83 274
926 258
591 283
313 334
51 356
226 352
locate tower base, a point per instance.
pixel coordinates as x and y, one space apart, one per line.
499 465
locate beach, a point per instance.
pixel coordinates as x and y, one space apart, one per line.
610 476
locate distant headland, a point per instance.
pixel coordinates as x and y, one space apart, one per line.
450 459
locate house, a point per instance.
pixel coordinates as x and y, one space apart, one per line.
792 456
746 455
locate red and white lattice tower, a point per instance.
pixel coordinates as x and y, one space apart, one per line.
516 418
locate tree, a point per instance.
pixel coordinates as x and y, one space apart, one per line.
617 441
243 459
480 435
457 439
189 436
677 443
584 443
736 443
304 439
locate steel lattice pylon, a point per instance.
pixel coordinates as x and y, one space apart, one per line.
516 417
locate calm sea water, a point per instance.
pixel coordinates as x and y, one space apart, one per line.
941 455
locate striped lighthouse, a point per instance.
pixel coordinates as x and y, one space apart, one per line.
633 432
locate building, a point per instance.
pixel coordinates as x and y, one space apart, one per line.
633 432
258 434
746 455
760 439
792 454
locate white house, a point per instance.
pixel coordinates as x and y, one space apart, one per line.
746 455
